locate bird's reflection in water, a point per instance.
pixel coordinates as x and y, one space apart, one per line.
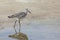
19 36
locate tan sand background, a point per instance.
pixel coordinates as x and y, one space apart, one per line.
46 11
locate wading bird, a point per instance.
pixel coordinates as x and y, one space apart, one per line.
19 16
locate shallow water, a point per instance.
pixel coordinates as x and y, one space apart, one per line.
46 11
34 31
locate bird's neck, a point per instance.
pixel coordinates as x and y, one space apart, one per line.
26 12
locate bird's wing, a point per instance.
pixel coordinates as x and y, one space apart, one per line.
20 14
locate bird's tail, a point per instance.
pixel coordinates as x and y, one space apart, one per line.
12 16
9 16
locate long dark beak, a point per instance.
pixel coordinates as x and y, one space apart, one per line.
29 11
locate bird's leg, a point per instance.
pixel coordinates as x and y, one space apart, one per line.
19 25
14 27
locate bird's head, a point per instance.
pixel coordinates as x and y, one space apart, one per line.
28 10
